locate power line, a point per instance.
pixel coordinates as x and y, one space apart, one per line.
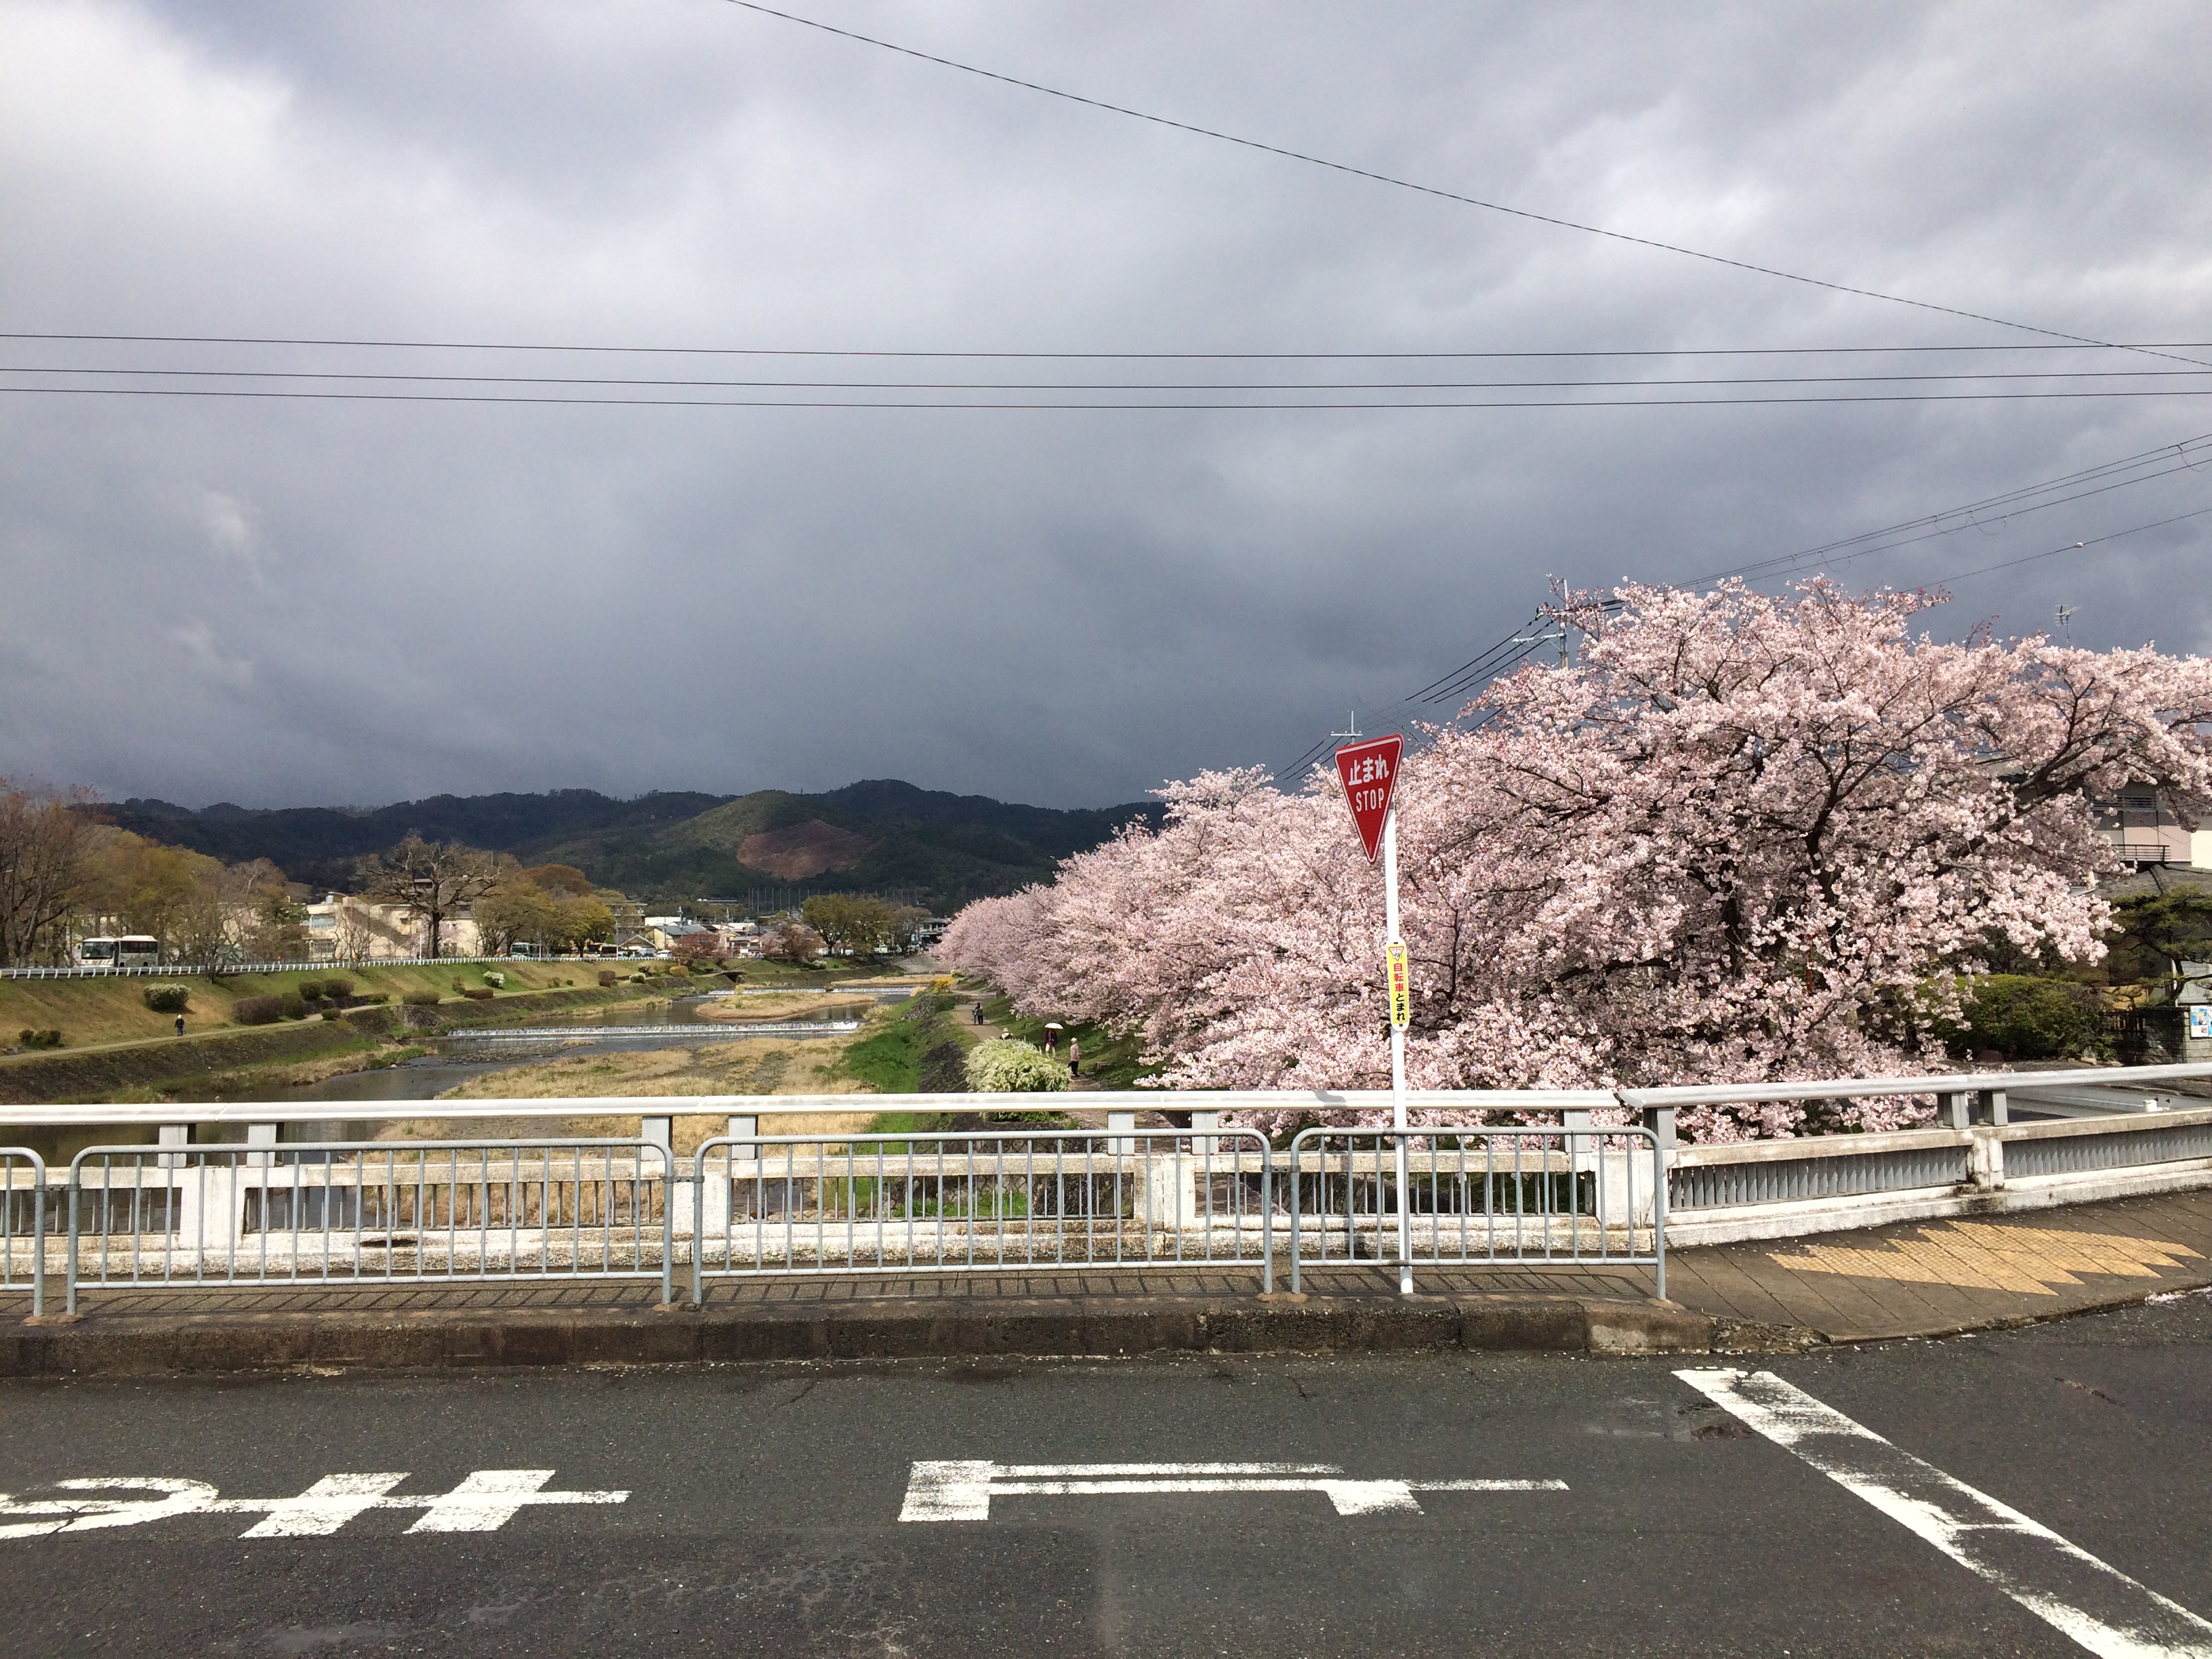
1499 657
2072 547
386 377
1406 184
457 397
2009 504
1081 356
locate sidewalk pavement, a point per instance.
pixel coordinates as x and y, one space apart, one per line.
1934 1278
1911 1279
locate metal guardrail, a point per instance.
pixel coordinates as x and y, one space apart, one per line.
368 1212
988 1201
2171 1142
1110 1101
1953 1087
1977 1147
1720 1185
1568 1196
23 1201
741 1210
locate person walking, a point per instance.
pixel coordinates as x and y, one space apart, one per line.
180 1025
1075 1056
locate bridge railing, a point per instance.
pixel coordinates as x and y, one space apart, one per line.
998 1200
356 1213
1599 1181
25 1199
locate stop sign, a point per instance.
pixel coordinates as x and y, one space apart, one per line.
1369 773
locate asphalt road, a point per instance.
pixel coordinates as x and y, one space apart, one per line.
2043 1492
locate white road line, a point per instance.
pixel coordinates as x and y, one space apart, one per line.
2093 1603
319 1512
489 1498
963 1490
94 1513
484 1501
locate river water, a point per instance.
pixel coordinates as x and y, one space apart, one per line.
462 1056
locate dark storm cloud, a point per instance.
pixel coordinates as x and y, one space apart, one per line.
293 602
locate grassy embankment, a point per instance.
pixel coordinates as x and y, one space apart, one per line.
1110 1060
115 1048
95 1012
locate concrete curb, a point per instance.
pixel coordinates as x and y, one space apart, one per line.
157 1344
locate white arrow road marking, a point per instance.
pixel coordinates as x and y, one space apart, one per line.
2095 1604
90 1514
486 1501
963 1490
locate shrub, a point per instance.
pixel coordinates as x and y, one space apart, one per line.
308 990
2022 1017
1010 1068
476 994
606 977
257 1011
169 999
294 1006
334 1012
497 981
374 998
422 998
338 989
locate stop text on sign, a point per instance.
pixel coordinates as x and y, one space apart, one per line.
1368 771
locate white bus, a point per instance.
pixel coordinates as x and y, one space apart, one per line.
129 950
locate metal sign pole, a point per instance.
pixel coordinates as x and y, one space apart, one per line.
1398 1058
1369 773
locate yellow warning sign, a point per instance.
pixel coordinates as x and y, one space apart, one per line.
1401 990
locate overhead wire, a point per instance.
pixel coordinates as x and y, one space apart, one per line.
303 394
2071 547
1499 657
1395 182
339 342
378 377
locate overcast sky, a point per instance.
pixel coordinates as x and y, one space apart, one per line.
285 601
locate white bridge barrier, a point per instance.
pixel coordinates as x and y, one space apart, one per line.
241 1194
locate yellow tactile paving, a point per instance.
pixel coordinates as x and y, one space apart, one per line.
1980 1255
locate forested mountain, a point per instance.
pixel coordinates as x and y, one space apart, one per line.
877 836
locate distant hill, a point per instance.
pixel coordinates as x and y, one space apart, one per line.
878 835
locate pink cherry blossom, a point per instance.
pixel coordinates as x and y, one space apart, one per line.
1741 838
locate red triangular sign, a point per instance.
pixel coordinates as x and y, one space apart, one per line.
1370 772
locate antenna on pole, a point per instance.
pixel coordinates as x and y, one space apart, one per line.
2066 615
1355 727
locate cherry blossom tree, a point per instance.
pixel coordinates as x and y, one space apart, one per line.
1739 838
